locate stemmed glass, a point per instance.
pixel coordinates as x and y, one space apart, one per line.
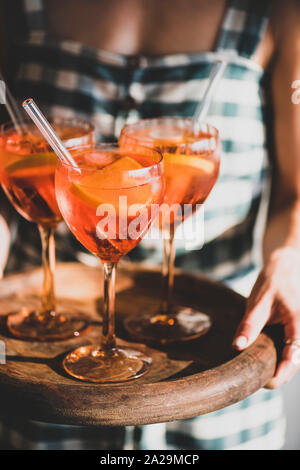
191 164
27 169
108 198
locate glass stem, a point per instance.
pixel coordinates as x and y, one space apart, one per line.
48 257
108 340
168 272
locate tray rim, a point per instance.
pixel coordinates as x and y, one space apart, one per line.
261 351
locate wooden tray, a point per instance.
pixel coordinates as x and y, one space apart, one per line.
184 381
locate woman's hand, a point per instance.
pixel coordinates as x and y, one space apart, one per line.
275 299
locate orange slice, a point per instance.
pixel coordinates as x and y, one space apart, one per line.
32 161
193 161
105 186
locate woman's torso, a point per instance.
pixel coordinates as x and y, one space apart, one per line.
151 76
165 77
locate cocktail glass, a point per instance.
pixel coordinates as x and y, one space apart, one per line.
108 200
191 165
27 170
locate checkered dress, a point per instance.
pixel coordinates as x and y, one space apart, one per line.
110 90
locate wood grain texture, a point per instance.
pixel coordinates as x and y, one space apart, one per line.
184 381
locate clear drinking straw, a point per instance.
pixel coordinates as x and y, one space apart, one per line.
43 125
12 108
214 77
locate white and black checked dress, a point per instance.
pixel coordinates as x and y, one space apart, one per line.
69 79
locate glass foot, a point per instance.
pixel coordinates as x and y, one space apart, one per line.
183 324
92 364
35 326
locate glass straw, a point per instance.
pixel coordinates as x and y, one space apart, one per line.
214 78
43 125
12 107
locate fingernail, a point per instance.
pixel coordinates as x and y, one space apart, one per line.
240 342
296 357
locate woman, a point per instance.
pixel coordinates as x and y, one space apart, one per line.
116 61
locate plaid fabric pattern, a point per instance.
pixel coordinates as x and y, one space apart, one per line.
68 78
244 23
256 423
111 90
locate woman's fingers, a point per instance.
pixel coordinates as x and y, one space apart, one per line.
290 360
275 298
255 318
287 368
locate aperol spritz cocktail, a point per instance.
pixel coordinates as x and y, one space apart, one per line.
191 165
27 170
109 200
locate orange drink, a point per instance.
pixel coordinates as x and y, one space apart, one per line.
27 170
109 198
191 164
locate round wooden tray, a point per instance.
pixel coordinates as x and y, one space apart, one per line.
184 381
